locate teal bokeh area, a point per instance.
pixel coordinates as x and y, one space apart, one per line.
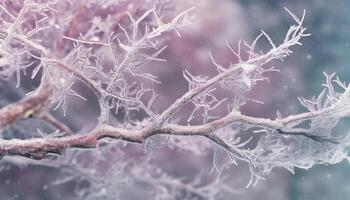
328 49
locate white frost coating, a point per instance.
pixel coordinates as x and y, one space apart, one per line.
301 140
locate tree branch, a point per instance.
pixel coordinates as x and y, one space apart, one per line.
294 34
26 107
37 148
47 117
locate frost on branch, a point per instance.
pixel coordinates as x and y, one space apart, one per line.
111 57
309 140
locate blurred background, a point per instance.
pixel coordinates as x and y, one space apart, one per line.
327 50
